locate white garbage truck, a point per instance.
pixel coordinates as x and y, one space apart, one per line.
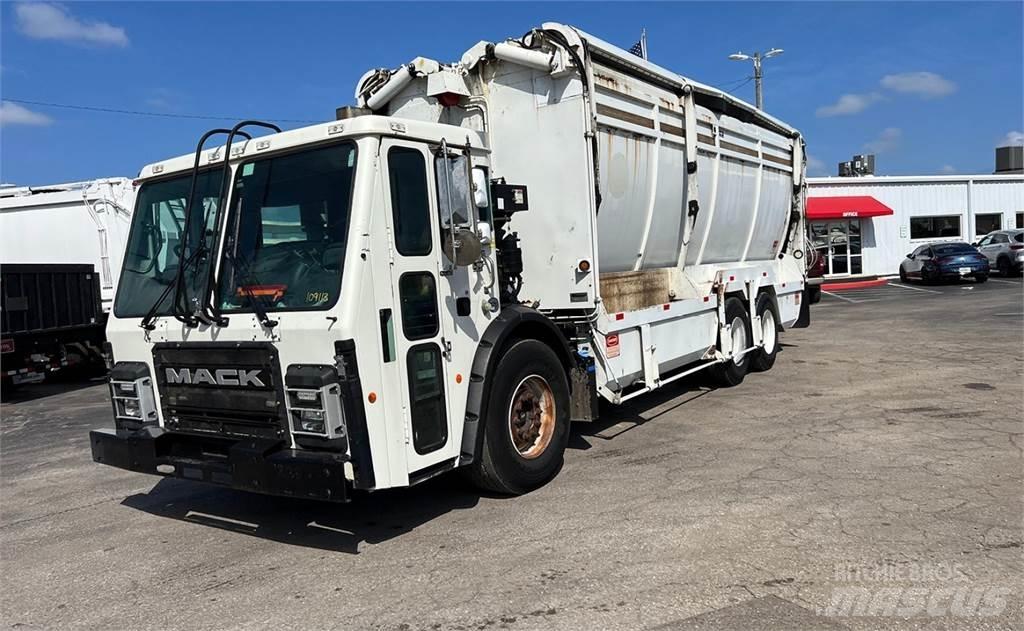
468 259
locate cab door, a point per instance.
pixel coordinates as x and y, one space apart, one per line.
413 331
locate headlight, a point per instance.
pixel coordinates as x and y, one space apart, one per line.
131 391
314 402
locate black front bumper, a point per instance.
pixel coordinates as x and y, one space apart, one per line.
260 465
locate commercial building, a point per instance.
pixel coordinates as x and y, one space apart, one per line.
865 226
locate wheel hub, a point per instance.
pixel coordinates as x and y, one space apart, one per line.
531 416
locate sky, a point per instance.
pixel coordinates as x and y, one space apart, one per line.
930 88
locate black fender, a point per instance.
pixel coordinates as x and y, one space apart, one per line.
512 323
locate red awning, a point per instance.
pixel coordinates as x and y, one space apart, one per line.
840 207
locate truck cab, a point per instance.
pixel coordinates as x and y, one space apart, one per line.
274 320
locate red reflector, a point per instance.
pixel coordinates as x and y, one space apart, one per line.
764 273
732 278
707 298
665 307
275 292
620 316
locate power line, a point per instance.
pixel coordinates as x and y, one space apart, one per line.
110 110
729 84
733 90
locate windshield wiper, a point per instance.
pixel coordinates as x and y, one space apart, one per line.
147 320
256 301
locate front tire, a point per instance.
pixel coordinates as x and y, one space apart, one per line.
764 358
526 427
732 373
903 275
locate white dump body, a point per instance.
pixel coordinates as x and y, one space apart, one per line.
78 222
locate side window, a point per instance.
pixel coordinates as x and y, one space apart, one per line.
407 172
926 253
921 250
453 203
985 241
418 293
426 398
1000 238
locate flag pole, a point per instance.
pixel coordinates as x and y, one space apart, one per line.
643 43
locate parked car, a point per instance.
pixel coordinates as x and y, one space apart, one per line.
945 261
1005 250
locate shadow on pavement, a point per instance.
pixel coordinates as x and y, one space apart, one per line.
368 518
60 383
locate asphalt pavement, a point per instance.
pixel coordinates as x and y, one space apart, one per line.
871 480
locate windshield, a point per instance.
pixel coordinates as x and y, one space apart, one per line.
952 248
154 245
286 230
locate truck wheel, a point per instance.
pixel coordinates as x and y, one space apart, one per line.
731 373
764 358
526 427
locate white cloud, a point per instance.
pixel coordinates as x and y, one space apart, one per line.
888 140
14 114
924 84
947 169
849 104
1012 138
41 20
815 166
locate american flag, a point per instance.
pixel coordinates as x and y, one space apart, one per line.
640 48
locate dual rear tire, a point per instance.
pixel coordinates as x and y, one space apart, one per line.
732 372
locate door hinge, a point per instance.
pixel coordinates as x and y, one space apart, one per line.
446 349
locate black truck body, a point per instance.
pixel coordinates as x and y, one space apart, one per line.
51 319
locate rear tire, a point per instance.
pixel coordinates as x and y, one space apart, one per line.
980 278
526 422
730 373
1003 265
764 358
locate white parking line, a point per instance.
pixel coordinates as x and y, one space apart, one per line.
930 291
850 300
1008 282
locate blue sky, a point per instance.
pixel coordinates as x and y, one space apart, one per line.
929 87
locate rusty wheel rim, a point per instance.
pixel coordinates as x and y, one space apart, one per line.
531 416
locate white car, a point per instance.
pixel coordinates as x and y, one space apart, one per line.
1004 250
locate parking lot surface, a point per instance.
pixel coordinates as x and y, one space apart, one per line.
881 455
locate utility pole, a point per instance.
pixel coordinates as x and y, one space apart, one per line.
757 58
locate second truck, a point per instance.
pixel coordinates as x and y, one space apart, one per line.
451 272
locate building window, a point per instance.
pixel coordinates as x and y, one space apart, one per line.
938 227
986 223
1020 220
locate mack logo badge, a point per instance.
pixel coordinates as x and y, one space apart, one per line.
218 377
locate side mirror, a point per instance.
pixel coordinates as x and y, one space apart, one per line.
910 256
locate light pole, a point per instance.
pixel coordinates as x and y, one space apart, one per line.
757 58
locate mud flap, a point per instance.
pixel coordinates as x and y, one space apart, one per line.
804 320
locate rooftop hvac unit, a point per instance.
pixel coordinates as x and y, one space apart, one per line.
864 164
846 169
1010 159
